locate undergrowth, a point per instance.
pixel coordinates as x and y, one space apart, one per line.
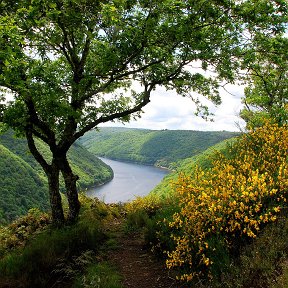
225 226
41 255
99 275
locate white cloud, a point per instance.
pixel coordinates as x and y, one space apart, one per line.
170 111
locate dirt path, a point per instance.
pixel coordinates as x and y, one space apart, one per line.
138 266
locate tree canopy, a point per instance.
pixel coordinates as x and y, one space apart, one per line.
73 64
266 95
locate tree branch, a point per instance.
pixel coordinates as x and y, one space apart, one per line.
33 149
117 115
50 135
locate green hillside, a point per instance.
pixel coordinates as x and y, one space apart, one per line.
23 182
21 186
188 165
153 147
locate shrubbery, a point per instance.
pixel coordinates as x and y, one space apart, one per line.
41 255
216 212
224 207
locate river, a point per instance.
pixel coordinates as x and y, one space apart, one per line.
130 180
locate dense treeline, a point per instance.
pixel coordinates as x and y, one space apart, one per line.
23 183
21 186
160 148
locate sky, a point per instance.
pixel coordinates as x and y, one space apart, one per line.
167 110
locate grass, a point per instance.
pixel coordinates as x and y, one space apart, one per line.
263 263
73 255
99 275
53 257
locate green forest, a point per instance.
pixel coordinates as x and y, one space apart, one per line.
152 147
23 183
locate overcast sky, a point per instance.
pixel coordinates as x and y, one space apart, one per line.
167 110
170 111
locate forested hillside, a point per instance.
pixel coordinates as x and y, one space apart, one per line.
187 166
21 186
23 183
153 147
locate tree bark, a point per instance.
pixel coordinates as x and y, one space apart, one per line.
71 189
55 197
52 172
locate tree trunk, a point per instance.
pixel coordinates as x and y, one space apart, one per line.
71 189
52 172
55 197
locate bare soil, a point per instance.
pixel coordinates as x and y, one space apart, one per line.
138 266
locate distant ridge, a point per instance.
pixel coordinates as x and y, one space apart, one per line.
152 147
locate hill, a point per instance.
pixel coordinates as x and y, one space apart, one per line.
188 165
21 186
23 182
152 147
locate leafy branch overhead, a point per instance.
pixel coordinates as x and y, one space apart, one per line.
71 55
266 95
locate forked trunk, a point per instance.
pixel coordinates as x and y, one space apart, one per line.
55 197
71 189
52 172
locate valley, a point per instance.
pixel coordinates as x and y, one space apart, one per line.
24 185
151 147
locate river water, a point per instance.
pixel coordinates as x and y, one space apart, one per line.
130 180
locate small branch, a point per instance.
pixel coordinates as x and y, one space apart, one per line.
117 115
33 149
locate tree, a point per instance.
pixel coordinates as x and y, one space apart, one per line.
73 64
266 96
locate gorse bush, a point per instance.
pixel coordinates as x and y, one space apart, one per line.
225 206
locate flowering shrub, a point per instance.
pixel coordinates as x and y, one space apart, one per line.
230 203
150 204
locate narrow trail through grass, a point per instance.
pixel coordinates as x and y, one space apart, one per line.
137 265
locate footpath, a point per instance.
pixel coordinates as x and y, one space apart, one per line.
137 265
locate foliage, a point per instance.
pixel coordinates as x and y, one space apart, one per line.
261 263
90 169
71 65
152 147
101 275
187 166
17 233
147 213
140 210
23 185
224 207
49 256
267 84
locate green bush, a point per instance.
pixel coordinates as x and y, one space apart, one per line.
262 263
54 256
